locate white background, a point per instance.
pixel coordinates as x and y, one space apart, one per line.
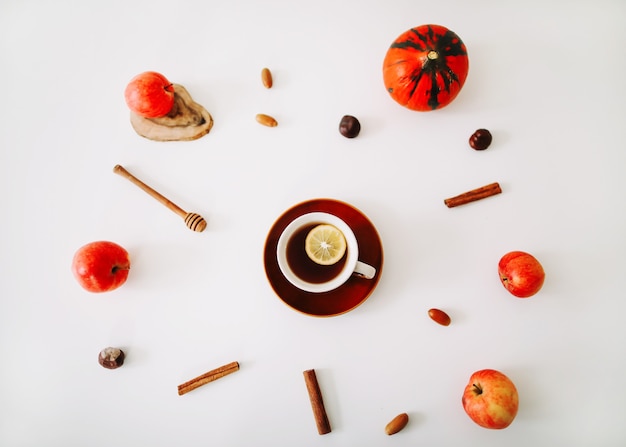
547 78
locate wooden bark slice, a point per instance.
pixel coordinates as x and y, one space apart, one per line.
187 120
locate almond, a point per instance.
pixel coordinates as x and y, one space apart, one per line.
397 424
439 316
266 78
266 120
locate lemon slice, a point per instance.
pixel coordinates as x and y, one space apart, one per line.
325 244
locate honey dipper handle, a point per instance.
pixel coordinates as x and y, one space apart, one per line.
120 170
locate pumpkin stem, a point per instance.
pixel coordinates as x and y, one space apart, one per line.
432 55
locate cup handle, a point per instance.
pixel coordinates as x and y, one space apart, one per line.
364 270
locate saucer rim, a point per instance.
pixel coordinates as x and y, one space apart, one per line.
322 203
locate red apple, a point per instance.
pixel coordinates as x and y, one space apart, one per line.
521 274
101 266
490 399
150 95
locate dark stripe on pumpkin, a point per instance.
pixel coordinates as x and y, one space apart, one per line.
431 33
433 100
416 80
451 45
448 44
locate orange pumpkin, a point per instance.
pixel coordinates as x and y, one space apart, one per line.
425 67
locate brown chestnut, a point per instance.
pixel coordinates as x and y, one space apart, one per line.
111 358
480 140
349 126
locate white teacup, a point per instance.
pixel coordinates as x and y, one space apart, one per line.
305 273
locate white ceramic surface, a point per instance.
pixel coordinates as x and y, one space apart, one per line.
545 78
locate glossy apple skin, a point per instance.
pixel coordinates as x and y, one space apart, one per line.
150 95
490 399
521 274
101 266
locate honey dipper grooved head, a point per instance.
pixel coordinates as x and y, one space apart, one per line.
195 222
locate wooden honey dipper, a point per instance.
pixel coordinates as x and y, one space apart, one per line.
193 221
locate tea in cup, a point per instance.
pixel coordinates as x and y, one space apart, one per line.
307 274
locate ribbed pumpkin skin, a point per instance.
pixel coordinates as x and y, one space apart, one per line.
425 67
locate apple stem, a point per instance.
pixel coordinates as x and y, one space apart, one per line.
116 269
477 389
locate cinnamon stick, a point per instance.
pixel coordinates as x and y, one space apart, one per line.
473 195
208 377
317 403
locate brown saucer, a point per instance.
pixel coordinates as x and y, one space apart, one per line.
352 293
